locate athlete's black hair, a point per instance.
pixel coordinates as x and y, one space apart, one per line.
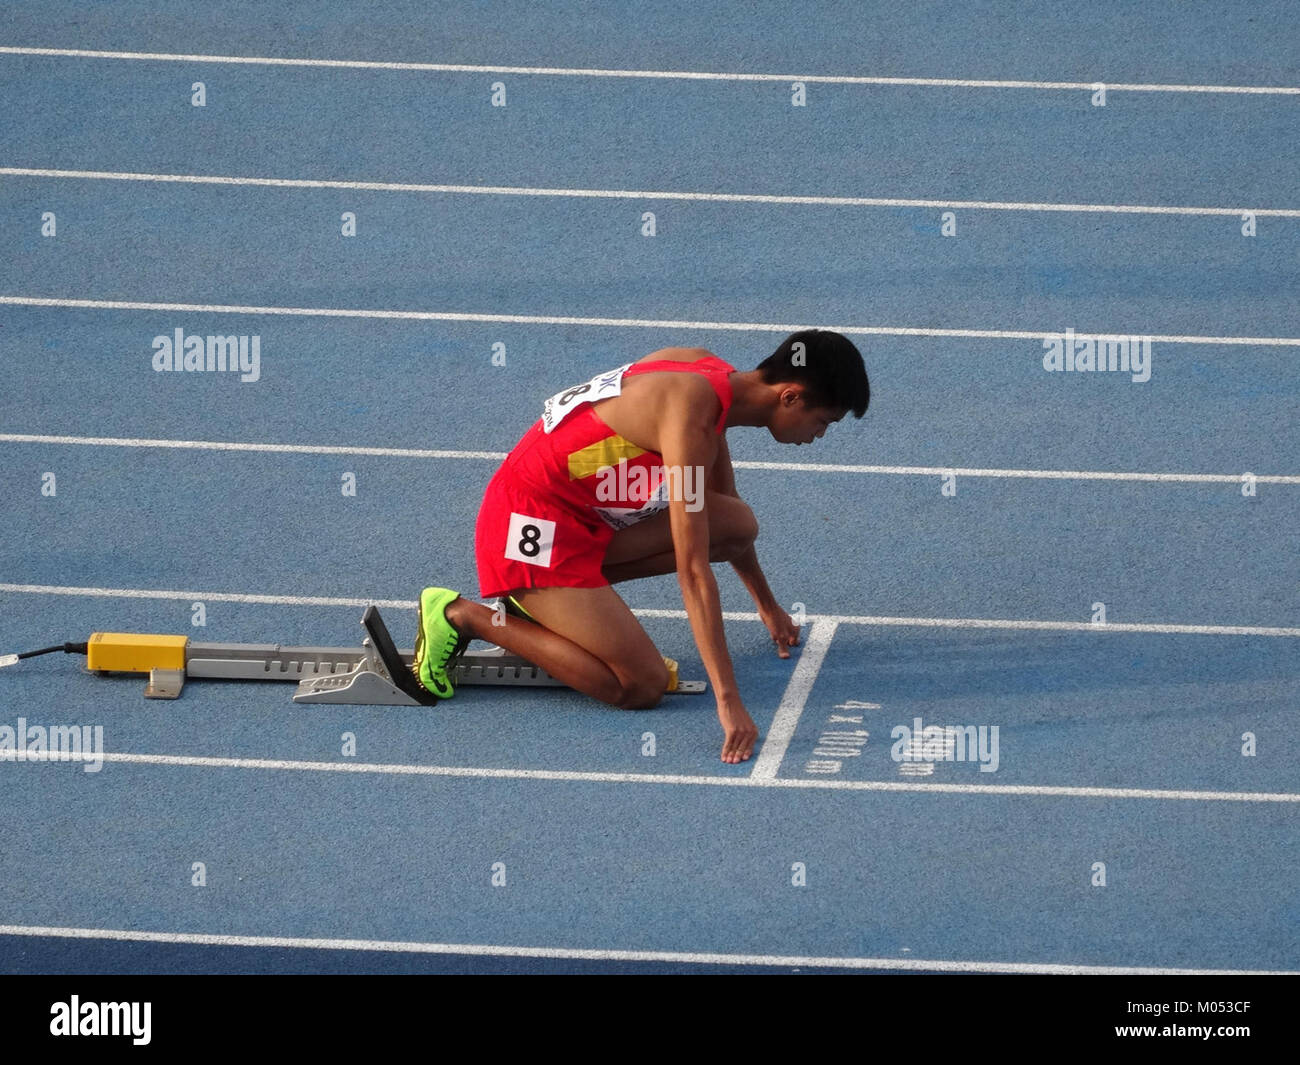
829 367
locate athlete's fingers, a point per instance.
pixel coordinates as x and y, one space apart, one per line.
744 745
785 640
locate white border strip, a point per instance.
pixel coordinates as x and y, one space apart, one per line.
648 194
674 75
618 323
795 467
1010 624
580 954
1040 791
786 720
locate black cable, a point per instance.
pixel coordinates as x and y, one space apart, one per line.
66 648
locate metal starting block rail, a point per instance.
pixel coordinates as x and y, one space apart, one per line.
376 674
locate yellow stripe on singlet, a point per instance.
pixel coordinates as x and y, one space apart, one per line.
593 458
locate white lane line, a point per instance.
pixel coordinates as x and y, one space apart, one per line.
740 464
649 194
672 75
195 761
786 720
1054 475
603 954
622 323
1157 628
230 445
216 597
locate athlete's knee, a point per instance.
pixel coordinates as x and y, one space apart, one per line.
738 534
644 691
642 696
748 525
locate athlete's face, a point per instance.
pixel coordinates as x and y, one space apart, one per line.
798 422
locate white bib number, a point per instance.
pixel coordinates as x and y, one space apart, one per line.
562 404
530 540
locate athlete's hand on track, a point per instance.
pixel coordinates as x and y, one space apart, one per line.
740 732
785 633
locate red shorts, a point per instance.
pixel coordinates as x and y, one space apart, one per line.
523 539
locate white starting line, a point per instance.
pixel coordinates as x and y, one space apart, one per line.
800 686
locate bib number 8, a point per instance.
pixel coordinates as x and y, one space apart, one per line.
572 394
602 386
530 540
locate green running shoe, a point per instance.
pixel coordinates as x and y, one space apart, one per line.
438 646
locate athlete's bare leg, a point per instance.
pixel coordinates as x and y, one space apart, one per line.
588 637
585 637
646 549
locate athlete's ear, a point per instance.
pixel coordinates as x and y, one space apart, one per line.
790 395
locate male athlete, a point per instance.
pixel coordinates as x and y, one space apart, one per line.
629 476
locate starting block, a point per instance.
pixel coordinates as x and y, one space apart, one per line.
376 674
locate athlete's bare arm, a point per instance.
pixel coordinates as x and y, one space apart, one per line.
676 415
687 438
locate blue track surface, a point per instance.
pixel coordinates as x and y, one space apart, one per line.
670 862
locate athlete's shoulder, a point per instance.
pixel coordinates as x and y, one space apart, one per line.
677 355
680 384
